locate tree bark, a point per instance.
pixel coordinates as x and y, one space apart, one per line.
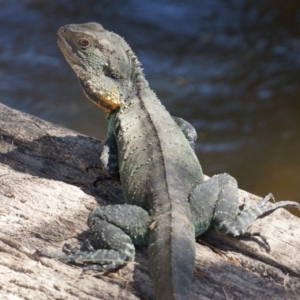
46 196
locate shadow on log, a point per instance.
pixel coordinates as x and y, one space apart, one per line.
46 196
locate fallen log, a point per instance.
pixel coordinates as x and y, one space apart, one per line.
46 195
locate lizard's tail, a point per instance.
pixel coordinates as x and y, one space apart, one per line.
172 255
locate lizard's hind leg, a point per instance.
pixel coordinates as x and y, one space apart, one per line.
115 230
216 202
229 219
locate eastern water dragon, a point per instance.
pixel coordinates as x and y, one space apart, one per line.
168 203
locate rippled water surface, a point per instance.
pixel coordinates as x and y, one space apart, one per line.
231 68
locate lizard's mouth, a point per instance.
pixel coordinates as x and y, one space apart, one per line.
62 44
69 53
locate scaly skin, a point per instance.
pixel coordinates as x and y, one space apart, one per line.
168 204
150 152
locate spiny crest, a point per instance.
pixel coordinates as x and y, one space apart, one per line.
135 64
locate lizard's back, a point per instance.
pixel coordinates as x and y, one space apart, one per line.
158 170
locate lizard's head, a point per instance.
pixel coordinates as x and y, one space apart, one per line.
103 61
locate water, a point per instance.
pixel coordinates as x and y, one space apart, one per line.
231 68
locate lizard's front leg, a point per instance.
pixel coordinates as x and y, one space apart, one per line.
188 130
115 230
109 157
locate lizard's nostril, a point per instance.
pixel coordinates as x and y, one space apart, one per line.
62 29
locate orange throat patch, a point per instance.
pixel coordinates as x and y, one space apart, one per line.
108 100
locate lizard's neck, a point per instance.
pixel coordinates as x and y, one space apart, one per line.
140 93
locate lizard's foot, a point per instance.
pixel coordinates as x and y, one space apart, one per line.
44 253
98 260
98 268
68 249
247 216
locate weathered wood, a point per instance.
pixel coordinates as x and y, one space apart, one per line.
45 191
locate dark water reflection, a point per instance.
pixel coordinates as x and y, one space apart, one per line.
231 68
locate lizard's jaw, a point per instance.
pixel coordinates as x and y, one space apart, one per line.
69 54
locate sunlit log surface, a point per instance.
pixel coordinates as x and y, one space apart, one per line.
46 195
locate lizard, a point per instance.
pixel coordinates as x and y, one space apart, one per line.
168 202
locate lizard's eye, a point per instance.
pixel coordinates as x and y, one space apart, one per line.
84 42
